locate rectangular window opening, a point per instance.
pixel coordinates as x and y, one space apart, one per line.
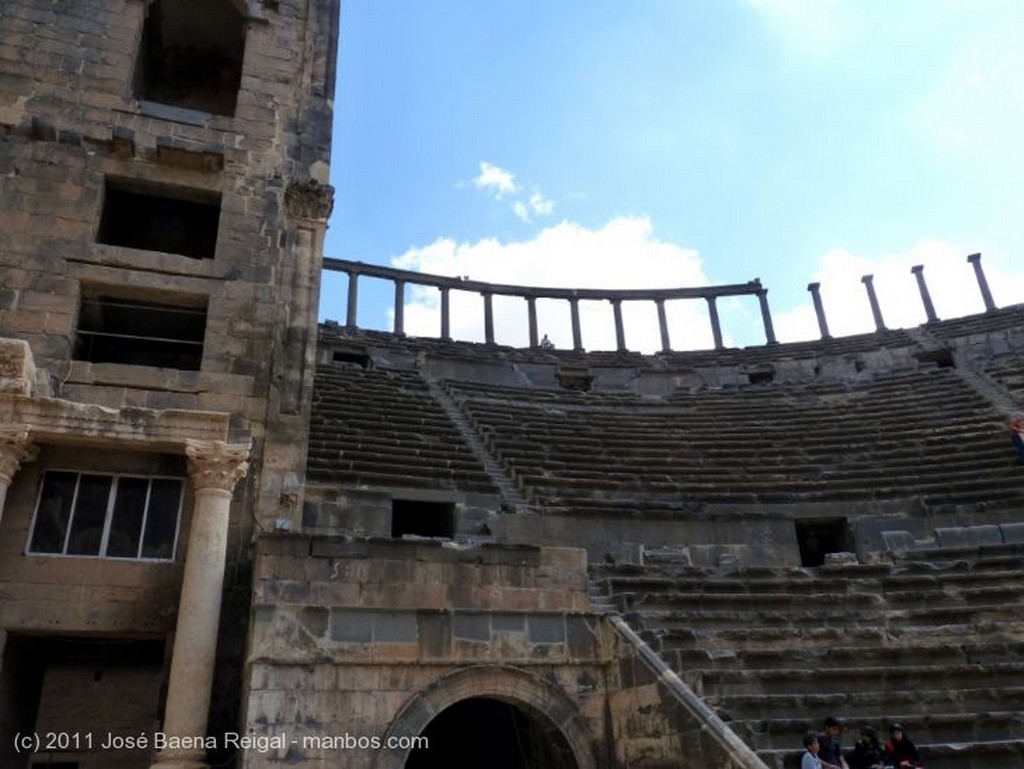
108 516
191 55
819 537
112 329
171 220
422 519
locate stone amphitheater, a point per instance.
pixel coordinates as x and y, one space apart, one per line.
232 536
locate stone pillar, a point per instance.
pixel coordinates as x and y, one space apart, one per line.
531 311
577 334
766 316
876 311
979 273
488 317
620 330
399 307
716 325
922 287
215 468
819 309
15 448
666 344
446 313
353 299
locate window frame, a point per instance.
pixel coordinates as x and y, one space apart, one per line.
108 516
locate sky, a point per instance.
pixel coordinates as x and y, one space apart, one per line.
668 143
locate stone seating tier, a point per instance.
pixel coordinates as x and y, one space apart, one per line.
1008 371
383 428
919 434
983 323
934 643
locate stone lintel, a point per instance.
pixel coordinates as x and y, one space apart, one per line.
53 420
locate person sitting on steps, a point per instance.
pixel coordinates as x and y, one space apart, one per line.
900 752
1017 435
867 752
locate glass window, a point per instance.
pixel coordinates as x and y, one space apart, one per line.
112 516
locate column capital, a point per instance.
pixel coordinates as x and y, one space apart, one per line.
216 464
15 447
309 199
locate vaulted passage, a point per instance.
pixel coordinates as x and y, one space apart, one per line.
482 732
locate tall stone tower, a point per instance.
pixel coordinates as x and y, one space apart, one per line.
163 199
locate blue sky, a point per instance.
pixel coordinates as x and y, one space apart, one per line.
684 142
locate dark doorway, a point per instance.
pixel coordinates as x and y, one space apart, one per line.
482 732
820 536
74 687
422 519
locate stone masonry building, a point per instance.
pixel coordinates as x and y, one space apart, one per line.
230 537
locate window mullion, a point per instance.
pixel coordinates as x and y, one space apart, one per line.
71 516
145 518
111 498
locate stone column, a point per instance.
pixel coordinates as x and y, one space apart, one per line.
766 316
215 468
716 324
531 310
979 273
574 317
353 299
15 448
876 311
446 333
819 309
399 308
922 287
666 343
488 317
620 329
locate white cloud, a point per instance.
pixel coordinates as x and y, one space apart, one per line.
500 182
496 180
540 205
624 253
949 277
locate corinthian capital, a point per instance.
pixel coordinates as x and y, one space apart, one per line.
216 464
15 448
309 199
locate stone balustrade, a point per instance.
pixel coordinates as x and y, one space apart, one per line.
487 291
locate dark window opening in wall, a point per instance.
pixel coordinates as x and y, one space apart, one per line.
112 329
111 516
191 55
360 359
819 537
761 377
422 519
160 218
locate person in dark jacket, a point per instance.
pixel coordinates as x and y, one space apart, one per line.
867 753
899 750
831 754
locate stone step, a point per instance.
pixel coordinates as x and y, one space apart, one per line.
840 657
853 678
855 706
784 733
992 754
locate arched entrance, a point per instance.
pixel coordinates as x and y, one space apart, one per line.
486 732
494 717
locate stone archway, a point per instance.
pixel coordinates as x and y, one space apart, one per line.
551 714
